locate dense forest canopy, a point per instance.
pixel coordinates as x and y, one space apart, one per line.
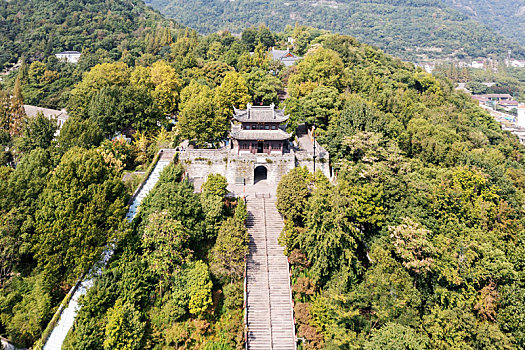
503 16
37 29
417 242
413 30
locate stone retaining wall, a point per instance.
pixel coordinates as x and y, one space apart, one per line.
240 168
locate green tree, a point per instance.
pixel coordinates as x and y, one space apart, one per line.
199 287
410 240
125 328
79 133
318 107
394 336
165 242
9 245
331 236
17 112
292 195
179 201
39 132
215 185
232 93
101 76
263 87
230 249
321 67
357 115
82 208
212 201
199 120
167 87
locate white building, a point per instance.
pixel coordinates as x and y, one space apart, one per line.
521 116
60 116
477 64
69 56
516 63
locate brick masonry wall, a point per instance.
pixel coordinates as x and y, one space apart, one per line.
200 163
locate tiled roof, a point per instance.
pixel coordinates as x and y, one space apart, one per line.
258 114
508 103
32 111
496 95
267 135
285 56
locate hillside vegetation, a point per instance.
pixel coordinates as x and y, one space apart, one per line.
504 16
410 29
39 28
418 243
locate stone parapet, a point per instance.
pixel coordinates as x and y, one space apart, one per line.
240 168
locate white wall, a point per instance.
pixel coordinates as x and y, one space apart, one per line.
521 117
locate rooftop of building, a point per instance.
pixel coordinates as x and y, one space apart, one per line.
280 54
266 135
32 111
509 103
260 114
69 53
495 95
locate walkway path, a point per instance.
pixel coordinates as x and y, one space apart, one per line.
304 139
68 315
269 314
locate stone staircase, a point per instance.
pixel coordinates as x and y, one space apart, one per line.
69 313
269 314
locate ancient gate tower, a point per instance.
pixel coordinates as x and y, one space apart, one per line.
258 149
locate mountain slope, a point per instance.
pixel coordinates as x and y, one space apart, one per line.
411 29
506 17
39 28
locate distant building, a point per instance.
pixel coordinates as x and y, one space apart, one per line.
508 105
60 116
427 66
515 63
504 101
284 56
259 130
69 56
520 120
478 64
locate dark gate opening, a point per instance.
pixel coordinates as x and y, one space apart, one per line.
260 174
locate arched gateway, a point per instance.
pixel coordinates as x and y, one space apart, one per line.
260 173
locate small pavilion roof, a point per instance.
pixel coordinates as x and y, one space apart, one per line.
260 114
267 135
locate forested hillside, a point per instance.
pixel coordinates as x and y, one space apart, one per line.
37 29
409 29
506 17
417 243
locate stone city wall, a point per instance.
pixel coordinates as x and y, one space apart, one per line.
237 169
240 168
322 162
199 163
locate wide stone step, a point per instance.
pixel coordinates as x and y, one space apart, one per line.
268 305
